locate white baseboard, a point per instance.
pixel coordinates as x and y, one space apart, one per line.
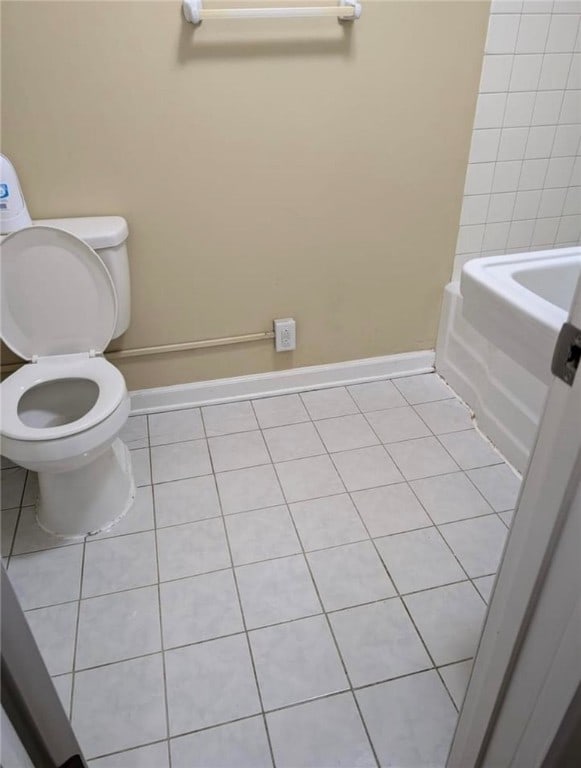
280 382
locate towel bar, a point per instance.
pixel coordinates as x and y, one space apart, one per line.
346 10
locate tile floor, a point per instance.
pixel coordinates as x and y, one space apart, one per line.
301 582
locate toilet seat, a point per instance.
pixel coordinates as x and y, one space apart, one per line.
58 309
108 379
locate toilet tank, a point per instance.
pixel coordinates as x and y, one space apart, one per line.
107 235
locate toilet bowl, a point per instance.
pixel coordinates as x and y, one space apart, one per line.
61 413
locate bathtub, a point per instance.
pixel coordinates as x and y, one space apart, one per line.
497 333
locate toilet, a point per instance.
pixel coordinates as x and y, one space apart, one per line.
64 294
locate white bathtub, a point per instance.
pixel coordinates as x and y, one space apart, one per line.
497 332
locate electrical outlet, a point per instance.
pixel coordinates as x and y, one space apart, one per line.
285 334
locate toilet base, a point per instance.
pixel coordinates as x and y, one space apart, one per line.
89 499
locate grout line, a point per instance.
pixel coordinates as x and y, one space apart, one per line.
243 616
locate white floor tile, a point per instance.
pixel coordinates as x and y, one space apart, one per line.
277 590
308 478
419 560
456 678
123 562
376 395
31 538
54 631
246 489
327 403
499 485
477 543
199 608
328 522
411 721
210 683
12 487
228 418
117 627
366 468
152 756
449 620
350 575
192 548
30 495
175 426
186 501
261 535
237 451
297 441
450 497
180 460
445 416
421 458
469 449
47 577
8 519
141 466
484 585
378 642
296 661
119 706
397 424
134 433
391 509
279 411
423 388
346 432
138 518
64 686
242 744
320 734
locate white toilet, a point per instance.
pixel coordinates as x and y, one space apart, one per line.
62 301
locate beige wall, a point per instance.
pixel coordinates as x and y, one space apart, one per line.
266 168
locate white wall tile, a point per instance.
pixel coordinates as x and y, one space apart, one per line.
526 71
572 203
555 71
575 180
512 143
569 229
489 110
567 139
495 236
571 108
506 176
495 75
521 233
484 147
552 202
533 174
562 33
519 108
470 238
532 34
545 232
506 6
574 80
502 33
547 107
537 6
501 207
567 6
540 141
479 178
474 209
526 204
559 171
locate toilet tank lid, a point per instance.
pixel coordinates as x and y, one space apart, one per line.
96 231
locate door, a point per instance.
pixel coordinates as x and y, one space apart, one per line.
527 670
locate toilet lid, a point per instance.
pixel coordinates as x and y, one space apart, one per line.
56 295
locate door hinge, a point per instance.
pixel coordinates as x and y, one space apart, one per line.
567 354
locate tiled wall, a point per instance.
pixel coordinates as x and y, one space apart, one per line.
523 183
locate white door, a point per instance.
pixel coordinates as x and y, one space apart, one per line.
528 664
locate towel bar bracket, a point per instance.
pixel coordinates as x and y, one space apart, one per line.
346 10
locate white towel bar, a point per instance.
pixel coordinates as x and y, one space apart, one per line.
347 10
